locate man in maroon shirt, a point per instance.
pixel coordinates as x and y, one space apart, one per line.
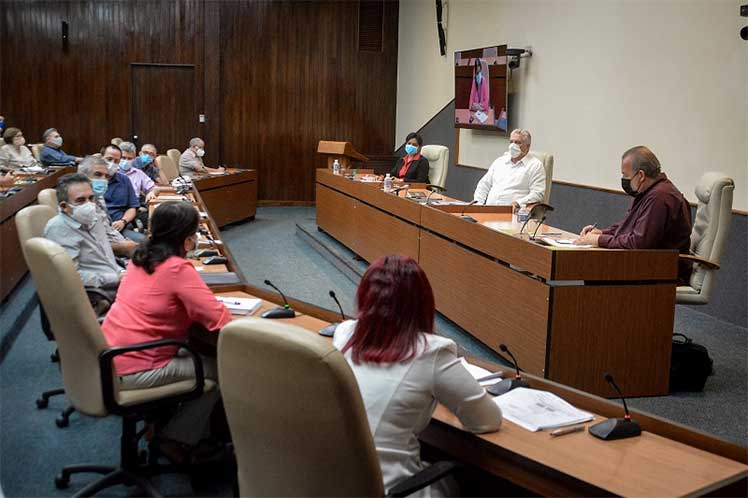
659 217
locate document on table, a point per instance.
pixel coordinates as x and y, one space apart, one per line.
478 373
566 243
241 305
535 410
481 116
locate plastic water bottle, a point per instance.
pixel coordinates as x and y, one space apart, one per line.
336 167
388 183
523 214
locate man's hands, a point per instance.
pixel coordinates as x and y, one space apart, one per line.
119 225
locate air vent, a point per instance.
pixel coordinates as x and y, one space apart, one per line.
370 29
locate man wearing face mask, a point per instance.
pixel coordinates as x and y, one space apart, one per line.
121 201
146 161
413 167
78 230
141 183
191 160
52 154
659 217
514 178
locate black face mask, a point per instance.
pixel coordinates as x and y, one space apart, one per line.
626 186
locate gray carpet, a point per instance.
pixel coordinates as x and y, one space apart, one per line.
33 448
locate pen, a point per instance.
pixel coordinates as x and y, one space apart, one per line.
567 430
594 225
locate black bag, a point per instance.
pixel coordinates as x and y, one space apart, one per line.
690 365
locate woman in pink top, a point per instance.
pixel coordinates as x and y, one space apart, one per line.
479 89
159 298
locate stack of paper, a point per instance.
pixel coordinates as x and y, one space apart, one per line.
567 243
241 305
479 373
537 410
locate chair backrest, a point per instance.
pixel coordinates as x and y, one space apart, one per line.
31 220
711 226
116 141
79 338
170 169
174 155
297 419
36 150
438 156
547 160
47 197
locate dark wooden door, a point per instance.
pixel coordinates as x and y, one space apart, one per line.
163 105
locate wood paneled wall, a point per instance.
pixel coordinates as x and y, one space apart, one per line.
272 77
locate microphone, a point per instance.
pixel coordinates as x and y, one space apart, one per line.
616 428
542 220
433 188
536 213
507 385
329 330
397 190
284 311
465 217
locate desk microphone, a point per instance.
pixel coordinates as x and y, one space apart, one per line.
507 385
616 428
284 311
329 330
466 217
537 213
397 190
433 188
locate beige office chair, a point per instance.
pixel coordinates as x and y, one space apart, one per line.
438 157
86 362
47 197
36 150
708 236
174 155
170 169
116 141
298 425
547 160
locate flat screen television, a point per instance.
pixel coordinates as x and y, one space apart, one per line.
481 89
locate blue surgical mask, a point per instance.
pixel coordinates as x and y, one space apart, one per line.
410 149
145 159
478 78
124 165
99 185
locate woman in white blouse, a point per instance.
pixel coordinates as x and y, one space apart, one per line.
403 369
14 154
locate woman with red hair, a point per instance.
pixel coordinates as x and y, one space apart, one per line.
403 369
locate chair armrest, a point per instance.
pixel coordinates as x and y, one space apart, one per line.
106 359
696 259
426 477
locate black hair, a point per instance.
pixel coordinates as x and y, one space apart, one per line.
110 146
64 183
415 135
171 224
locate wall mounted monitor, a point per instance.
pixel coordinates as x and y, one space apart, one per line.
481 89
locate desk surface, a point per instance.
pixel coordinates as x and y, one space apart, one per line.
650 465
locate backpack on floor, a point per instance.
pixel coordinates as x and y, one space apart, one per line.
690 365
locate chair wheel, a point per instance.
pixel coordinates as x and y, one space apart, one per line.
42 403
62 422
61 482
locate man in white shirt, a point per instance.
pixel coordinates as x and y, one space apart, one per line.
514 178
191 160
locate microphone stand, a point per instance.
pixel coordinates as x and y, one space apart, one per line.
542 220
329 330
507 385
616 428
284 311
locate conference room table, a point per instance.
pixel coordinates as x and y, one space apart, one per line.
230 196
567 314
27 187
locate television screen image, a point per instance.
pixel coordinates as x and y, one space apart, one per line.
481 88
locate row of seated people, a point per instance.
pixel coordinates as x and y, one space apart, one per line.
403 369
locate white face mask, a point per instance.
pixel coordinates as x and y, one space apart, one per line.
85 214
57 142
112 167
200 152
514 150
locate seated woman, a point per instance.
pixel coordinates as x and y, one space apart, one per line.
479 88
403 369
160 296
412 167
14 154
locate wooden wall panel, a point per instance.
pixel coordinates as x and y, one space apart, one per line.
292 74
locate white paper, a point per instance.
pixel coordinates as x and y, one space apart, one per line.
535 410
568 243
241 305
478 373
482 116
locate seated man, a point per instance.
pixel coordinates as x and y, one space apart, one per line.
78 230
513 178
191 160
146 162
97 171
659 217
121 201
141 183
52 154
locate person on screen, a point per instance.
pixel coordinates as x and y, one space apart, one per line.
659 217
404 369
412 167
515 178
479 89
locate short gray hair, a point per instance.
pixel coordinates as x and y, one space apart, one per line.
642 158
47 133
148 146
196 142
86 166
127 147
524 134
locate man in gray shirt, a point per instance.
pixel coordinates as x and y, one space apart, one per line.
191 160
80 231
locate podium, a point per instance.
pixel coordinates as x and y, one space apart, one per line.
342 151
